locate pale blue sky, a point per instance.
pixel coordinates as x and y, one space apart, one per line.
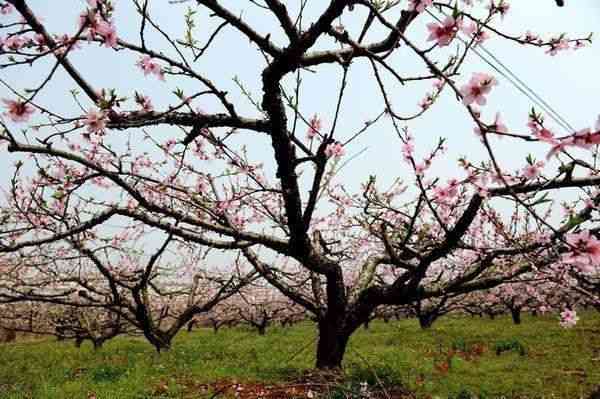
569 81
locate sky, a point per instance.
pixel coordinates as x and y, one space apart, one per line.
568 81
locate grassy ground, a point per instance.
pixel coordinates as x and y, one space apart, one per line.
457 354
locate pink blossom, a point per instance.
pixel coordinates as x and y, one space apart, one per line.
444 194
14 42
478 87
334 150
40 40
568 318
17 110
146 103
579 44
426 102
478 35
150 67
314 126
95 121
6 9
419 5
586 138
108 32
557 45
169 144
498 125
408 149
445 33
502 8
532 171
531 37
420 168
584 250
545 135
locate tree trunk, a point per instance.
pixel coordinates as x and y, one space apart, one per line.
331 346
366 324
190 326
426 321
97 343
262 329
516 315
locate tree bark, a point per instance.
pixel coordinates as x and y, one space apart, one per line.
516 315
97 344
331 346
426 321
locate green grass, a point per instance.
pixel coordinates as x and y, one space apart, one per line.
554 361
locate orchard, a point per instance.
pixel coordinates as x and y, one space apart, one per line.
257 165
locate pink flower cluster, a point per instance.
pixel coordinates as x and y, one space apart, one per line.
568 318
585 138
419 5
474 31
444 195
446 32
95 121
97 26
6 9
150 67
17 110
478 87
314 127
584 251
335 150
532 171
14 42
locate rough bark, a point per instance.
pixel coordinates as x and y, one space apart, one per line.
516 315
331 346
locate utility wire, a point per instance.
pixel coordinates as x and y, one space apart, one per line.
517 82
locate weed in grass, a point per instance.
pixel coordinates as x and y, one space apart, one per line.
510 345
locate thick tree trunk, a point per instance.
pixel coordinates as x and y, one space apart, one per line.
366 324
516 315
331 346
426 321
190 326
262 329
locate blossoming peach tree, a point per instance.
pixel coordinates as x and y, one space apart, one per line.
248 173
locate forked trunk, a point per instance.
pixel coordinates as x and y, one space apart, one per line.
162 342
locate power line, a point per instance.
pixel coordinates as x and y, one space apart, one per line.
517 82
